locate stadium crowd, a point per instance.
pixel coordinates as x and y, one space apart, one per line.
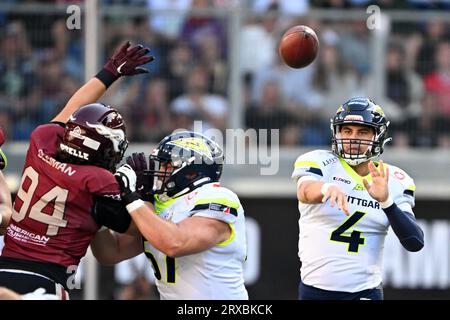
41 67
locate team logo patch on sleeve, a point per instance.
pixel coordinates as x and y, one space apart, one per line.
221 208
216 207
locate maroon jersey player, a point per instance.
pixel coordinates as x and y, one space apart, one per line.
68 189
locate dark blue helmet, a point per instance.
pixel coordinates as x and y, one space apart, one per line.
360 111
184 161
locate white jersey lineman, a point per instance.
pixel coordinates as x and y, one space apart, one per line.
216 273
339 252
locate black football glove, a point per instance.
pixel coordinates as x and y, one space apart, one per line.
126 178
144 183
126 62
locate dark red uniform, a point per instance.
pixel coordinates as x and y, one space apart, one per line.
52 219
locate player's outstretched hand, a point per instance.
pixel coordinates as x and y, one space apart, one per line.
378 189
336 196
126 177
138 163
126 61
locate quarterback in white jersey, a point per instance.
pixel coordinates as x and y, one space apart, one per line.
347 203
194 236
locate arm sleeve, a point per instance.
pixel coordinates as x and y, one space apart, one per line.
111 213
405 228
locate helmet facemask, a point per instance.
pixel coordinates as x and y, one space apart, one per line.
161 169
361 112
374 148
183 162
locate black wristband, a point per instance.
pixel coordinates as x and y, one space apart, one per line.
130 197
106 77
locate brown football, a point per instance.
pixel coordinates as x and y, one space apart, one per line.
298 46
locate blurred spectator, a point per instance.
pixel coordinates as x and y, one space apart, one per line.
403 87
151 116
197 103
391 4
295 84
215 65
18 93
180 61
333 80
334 83
137 30
271 113
67 48
425 128
16 69
285 7
198 26
354 46
338 4
167 16
427 4
438 82
434 33
258 33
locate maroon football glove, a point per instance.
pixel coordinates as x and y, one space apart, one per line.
126 61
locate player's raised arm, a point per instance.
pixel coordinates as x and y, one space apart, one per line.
125 61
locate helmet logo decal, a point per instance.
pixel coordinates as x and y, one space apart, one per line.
195 144
76 133
115 135
354 117
88 142
379 110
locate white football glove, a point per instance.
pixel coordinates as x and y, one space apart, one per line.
126 177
